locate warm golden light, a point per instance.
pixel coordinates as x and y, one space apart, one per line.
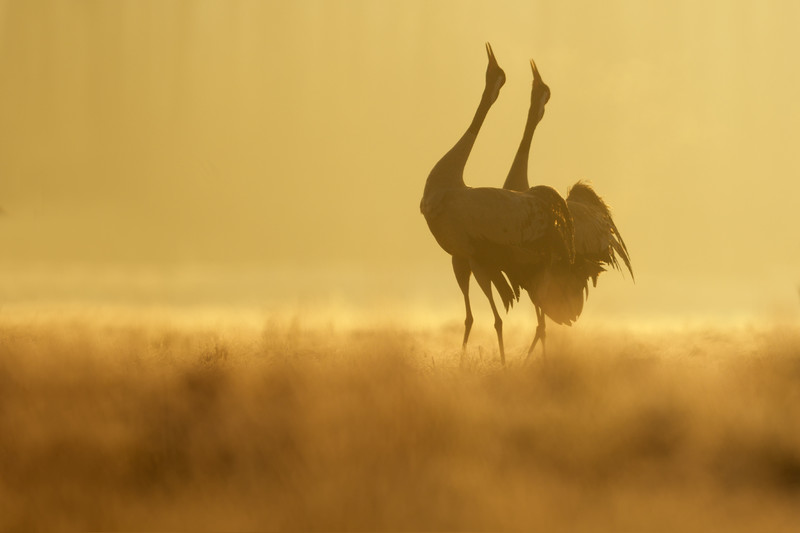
284 136
222 187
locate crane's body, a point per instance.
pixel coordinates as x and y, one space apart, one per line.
469 221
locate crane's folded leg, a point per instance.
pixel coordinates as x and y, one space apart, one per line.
462 271
484 280
540 332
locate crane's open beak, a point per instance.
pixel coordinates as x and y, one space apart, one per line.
492 60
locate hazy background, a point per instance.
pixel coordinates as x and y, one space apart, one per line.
274 153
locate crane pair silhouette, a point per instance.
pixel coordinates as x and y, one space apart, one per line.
520 237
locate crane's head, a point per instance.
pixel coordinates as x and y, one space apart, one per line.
495 77
540 92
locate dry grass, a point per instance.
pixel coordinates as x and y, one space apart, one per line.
113 426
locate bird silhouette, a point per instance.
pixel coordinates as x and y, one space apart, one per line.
561 288
507 239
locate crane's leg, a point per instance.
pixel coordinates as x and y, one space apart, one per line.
463 272
485 282
540 332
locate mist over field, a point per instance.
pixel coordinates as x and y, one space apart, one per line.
110 422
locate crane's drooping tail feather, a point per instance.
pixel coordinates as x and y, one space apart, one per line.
561 287
504 289
596 235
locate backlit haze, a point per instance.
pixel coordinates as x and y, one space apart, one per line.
272 155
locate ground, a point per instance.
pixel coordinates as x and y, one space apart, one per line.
156 424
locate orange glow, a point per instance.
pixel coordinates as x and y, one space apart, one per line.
300 135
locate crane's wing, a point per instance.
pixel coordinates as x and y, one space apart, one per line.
513 227
558 215
596 236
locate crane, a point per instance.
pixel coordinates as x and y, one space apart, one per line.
597 240
507 239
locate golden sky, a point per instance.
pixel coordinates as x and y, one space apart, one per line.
294 138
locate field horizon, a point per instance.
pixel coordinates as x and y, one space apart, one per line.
119 422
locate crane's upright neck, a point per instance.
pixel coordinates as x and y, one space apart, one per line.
517 179
449 171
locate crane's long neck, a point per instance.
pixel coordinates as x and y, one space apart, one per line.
449 171
517 179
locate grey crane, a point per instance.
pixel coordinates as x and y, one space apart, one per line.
598 242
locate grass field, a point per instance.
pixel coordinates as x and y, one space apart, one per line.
142 425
